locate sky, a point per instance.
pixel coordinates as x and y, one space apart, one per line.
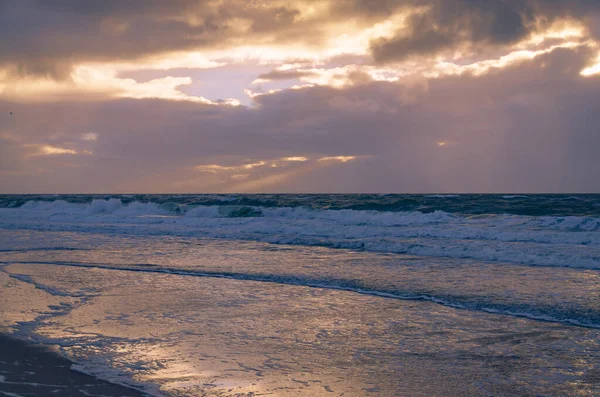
262 96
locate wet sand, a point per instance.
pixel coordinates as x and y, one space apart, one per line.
35 370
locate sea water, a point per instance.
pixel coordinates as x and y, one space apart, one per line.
379 295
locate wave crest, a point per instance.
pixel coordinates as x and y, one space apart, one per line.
569 241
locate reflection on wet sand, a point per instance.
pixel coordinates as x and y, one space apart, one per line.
195 335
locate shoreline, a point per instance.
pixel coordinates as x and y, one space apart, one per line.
28 369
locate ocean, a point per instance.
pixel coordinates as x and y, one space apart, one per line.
312 294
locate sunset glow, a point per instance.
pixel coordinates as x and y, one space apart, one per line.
215 89
296 198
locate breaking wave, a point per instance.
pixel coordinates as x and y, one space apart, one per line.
464 204
565 241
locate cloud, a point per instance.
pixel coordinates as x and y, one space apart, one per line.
52 35
281 75
474 26
523 128
98 82
64 49
295 159
215 168
341 159
48 150
89 136
49 37
509 86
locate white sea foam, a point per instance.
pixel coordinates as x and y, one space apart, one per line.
443 195
570 241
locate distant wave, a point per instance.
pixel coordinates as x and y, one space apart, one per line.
463 204
563 241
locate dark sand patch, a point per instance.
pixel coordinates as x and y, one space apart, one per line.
35 370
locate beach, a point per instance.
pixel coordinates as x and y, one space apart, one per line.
36 370
196 303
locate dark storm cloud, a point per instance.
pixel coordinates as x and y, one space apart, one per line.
452 23
111 7
46 37
476 23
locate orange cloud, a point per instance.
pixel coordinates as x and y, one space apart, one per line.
48 150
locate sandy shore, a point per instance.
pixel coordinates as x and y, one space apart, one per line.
34 370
